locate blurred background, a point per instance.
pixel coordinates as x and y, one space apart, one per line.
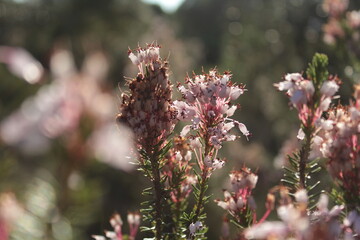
64 164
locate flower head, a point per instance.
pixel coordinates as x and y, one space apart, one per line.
303 96
148 109
207 103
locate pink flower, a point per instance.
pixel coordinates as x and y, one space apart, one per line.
207 101
353 19
335 7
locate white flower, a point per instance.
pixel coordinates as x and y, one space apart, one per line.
266 229
301 134
298 97
98 237
134 59
188 156
178 156
217 163
285 85
223 205
207 161
185 130
243 129
193 228
327 124
308 87
184 111
293 77
231 111
235 93
252 180
329 88
195 143
324 105
301 196
215 141
323 202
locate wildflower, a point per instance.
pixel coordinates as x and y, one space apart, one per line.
352 223
207 102
178 168
295 221
117 223
338 140
148 109
10 211
299 90
301 95
333 31
353 19
239 199
329 88
301 196
335 8
194 227
133 220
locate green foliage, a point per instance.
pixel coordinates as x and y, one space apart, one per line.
317 70
291 177
156 211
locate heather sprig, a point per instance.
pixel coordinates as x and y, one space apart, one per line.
338 140
147 110
208 104
116 222
297 223
239 202
180 181
311 96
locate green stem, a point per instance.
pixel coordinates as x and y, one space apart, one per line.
304 154
200 200
158 197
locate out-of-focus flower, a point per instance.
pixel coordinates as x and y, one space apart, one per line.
57 109
117 224
335 8
353 19
134 223
295 221
10 212
332 31
352 223
22 64
288 147
338 140
113 145
194 227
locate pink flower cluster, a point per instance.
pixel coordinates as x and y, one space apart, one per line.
335 7
208 105
239 199
116 222
342 24
147 109
339 140
297 223
301 93
146 56
178 169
